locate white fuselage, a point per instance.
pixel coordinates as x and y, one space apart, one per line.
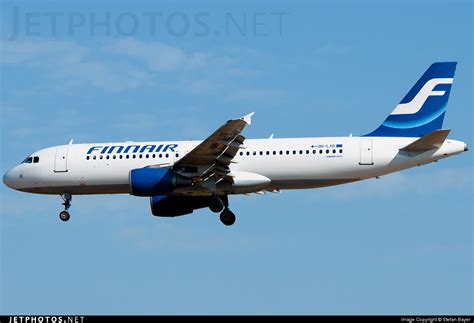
288 163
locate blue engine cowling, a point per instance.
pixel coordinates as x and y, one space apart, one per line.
168 206
151 181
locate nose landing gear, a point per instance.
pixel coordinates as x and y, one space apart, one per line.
64 215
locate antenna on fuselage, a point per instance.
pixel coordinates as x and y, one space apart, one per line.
70 142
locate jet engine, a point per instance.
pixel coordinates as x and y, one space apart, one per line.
151 181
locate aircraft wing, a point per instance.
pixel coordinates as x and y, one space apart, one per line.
213 156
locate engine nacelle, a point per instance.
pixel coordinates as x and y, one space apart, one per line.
151 181
168 206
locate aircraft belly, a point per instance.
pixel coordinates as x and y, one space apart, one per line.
308 183
80 189
81 182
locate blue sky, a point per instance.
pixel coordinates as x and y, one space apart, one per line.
402 244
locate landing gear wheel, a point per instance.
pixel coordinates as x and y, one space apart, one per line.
64 215
215 204
227 217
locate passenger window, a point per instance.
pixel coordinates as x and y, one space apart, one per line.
314 152
127 156
241 153
255 153
340 151
161 155
94 157
133 156
287 152
154 156
268 153
248 153
107 157
307 152
177 155
281 152
114 156
120 156
294 152
140 156
334 151
274 152
327 151
321 151
261 153
167 155
301 152
87 157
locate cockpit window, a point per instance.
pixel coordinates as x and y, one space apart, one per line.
30 160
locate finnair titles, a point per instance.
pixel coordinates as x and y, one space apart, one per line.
181 176
133 149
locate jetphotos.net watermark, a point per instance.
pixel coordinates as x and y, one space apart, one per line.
157 23
46 319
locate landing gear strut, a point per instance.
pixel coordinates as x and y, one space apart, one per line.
64 215
226 217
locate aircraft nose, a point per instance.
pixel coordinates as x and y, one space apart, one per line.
10 179
7 179
466 147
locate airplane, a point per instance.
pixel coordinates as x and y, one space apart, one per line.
181 176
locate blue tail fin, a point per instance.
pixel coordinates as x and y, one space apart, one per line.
422 110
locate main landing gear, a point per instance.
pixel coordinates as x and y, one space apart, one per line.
64 215
218 204
227 217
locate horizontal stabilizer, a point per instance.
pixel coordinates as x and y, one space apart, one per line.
433 140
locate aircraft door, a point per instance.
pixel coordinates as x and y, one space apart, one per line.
60 161
366 152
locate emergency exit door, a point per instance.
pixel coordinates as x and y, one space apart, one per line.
366 152
60 162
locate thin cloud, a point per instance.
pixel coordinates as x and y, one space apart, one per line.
331 49
139 121
39 53
122 64
110 76
256 94
127 63
71 64
156 55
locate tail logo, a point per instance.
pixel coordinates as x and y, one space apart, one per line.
419 100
